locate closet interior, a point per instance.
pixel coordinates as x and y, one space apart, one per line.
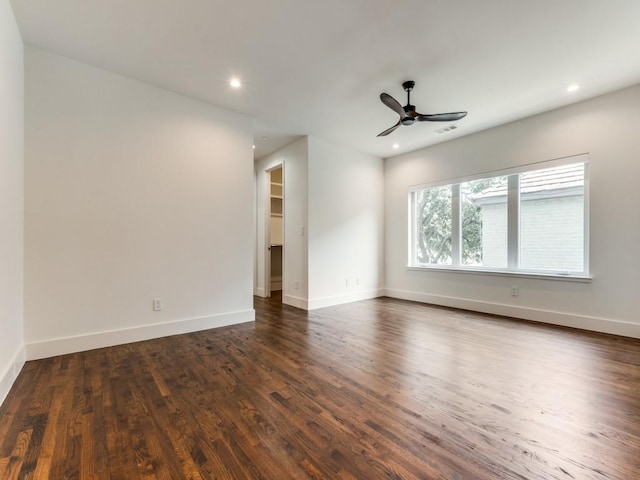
276 222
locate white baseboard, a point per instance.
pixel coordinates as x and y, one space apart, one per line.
297 302
80 343
346 298
596 324
276 283
259 292
11 371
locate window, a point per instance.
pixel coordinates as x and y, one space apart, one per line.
483 206
530 220
434 220
552 219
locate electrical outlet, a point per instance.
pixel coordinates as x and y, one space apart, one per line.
346 282
357 280
296 284
157 304
514 290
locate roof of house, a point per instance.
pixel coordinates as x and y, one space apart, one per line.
540 181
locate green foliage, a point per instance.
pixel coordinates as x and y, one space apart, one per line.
433 206
434 222
471 234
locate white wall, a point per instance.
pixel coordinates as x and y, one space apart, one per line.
333 223
605 127
345 224
11 199
131 192
294 159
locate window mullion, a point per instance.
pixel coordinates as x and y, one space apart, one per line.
413 230
585 222
513 221
456 230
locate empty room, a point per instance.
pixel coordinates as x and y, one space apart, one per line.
329 240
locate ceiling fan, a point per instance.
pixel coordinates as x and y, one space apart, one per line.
408 114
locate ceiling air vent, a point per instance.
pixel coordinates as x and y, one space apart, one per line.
446 129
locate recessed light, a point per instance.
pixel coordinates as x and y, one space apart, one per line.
573 87
235 83
395 146
265 138
254 147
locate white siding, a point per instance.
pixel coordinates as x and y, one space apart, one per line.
494 235
551 233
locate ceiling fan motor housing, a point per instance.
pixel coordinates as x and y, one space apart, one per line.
407 120
410 114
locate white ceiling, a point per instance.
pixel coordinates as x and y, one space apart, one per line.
314 67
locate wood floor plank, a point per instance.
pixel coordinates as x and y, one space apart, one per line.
379 389
13 464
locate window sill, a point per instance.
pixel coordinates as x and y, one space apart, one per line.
501 273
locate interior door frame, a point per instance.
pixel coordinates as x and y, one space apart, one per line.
267 243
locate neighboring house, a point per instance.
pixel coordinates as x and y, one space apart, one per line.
552 217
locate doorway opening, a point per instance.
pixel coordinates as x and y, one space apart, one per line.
275 250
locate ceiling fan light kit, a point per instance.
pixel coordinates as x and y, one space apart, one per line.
408 114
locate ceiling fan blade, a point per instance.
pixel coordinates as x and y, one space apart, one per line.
441 117
389 130
392 103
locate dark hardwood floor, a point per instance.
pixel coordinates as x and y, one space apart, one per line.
379 389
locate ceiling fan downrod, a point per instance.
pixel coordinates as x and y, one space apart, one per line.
408 119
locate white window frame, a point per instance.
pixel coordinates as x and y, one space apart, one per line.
513 227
